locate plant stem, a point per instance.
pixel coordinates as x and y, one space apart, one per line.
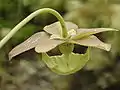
31 16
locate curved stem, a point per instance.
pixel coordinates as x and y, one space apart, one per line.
31 16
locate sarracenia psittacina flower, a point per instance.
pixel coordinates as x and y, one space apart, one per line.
68 62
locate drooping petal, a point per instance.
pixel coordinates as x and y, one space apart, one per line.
86 32
93 41
47 44
28 44
56 28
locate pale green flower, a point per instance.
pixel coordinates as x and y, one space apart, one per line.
68 62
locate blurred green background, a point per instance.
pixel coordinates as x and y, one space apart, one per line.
28 72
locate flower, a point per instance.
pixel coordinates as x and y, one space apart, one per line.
68 62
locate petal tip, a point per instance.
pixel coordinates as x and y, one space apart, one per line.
113 29
107 47
36 50
45 27
10 57
11 54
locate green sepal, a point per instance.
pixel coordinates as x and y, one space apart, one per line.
66 64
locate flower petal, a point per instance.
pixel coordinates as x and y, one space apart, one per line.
86 32
28 44
93 41
56 28
47 44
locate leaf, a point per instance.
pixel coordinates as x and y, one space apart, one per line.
86 32
56 28
65 65
28 44
93 41
47 44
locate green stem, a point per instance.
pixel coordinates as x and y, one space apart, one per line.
31 16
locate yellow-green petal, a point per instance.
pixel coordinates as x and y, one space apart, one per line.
47 44
93 41
28 44
56 28
83 32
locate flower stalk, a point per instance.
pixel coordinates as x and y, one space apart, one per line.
31 16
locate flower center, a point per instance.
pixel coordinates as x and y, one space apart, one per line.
72 32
